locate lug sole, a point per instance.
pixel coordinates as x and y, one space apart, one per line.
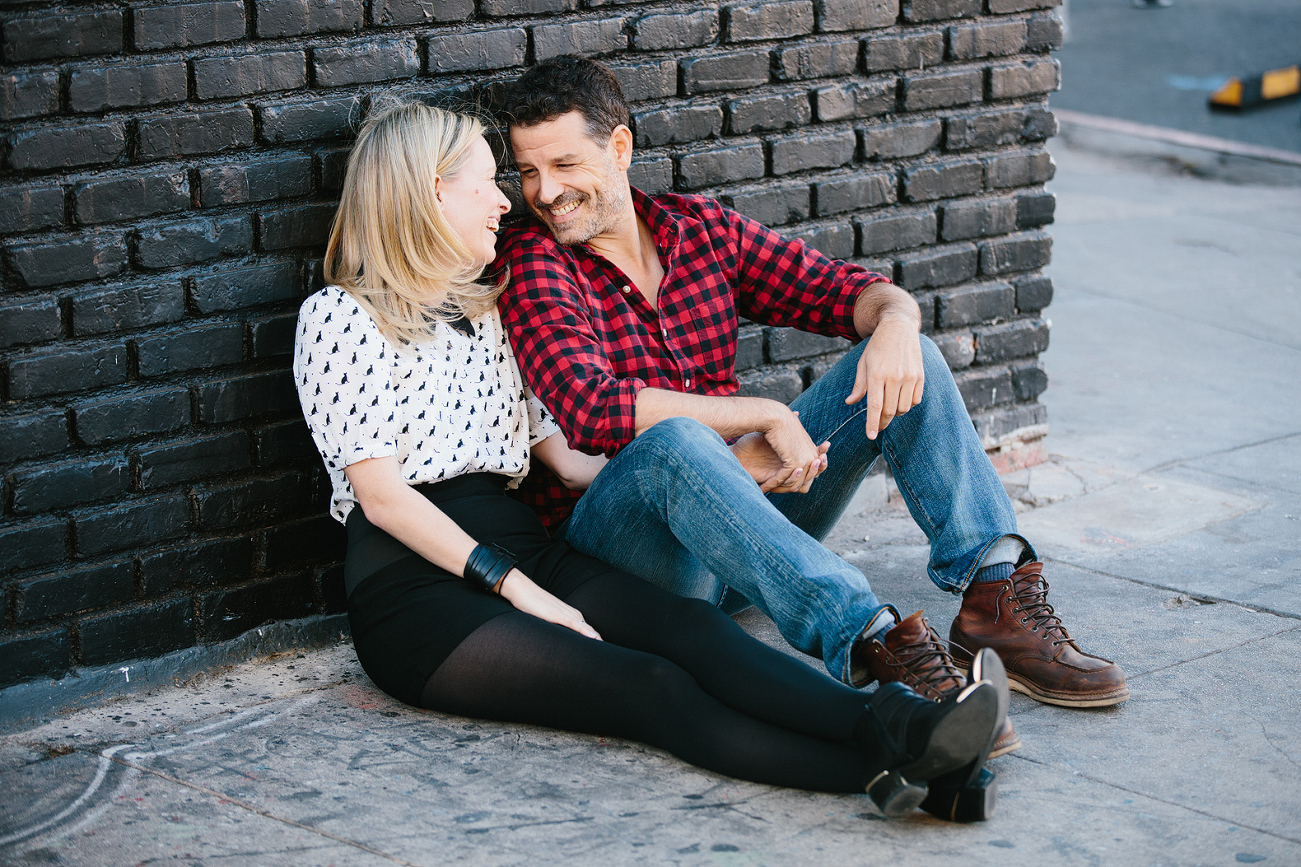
1107 700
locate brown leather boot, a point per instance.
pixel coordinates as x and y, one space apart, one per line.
1043 661
913 653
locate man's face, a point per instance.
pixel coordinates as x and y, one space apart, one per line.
575 185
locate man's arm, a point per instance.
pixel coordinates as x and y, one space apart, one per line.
890 373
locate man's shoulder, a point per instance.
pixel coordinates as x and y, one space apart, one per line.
526 238
691 207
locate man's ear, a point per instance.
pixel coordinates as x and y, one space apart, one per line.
621 146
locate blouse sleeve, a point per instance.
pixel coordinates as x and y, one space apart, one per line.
341 369
541 424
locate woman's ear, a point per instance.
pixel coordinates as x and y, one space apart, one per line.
438 188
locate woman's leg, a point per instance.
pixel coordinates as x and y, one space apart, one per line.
516 668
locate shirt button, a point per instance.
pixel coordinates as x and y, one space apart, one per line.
688 382
627 289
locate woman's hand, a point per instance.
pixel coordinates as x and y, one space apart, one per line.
520 591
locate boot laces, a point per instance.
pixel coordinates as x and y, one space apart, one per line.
930 665
1031 592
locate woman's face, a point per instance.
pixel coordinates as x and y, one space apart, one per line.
472 203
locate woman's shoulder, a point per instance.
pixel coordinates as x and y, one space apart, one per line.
328 305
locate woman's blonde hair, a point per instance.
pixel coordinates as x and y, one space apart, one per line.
390 246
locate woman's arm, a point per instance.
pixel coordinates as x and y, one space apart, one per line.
575 469
392 505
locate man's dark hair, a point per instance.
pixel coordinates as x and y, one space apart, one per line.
563 84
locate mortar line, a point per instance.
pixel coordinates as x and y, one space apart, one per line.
253 808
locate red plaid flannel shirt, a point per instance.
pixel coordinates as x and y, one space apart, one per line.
587 340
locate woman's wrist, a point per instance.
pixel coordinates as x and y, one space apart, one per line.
488 566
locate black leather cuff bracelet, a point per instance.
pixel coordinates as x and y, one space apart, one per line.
488 566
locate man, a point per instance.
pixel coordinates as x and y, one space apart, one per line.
623 308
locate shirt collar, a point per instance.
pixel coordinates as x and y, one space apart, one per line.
663 223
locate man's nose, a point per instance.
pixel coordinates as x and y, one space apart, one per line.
549 189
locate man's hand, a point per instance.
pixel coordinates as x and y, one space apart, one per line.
519 590
890 372
764 465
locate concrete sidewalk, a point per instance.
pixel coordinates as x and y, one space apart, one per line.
1170 512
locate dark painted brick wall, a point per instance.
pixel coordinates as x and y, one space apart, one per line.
167 174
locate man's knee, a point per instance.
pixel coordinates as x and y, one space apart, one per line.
680 434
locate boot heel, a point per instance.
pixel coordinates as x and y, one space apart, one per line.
895 796
972 802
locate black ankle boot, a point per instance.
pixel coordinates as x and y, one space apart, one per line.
970 793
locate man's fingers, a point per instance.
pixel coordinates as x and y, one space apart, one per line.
860 384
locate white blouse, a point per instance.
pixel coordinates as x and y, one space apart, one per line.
455 405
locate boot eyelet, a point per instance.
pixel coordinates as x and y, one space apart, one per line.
1023 619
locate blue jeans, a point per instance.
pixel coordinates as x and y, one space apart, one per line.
676 508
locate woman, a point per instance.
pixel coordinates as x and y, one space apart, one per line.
459 602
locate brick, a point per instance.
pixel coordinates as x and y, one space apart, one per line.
652 176
334 599
182 24
224 614
30 208
206 132
273 335
1035 209
735 71
526 7
1004 7
981 389
1024 79
905 51
66 369
1023 252
304 121
67 147
70 483
30 321
678 124
843 101
244 287
942 90
79 257
991 426
28 94
997 343
676 31
1029 381
44 654
834 15
768 112
319 539
787 344
942 180
773 205
977 219
1019 170
215 561
190 459
74 590
986 39
109 199
974 304
816 60
365 62
1043 32
33 435
907 139
959 350
749 350
653 79
396 13
781 19
25 545
249 396
125 526
835 241
125 85
990 129
1033 293
303 226
710 168
137 633
915 11
780 385
288 442
132 415
476 51
127 307
71 35
190 349
853 193
803 152
244 74
939 267
603 36
194 241
298 17
283 177
332 166
896 232
266 500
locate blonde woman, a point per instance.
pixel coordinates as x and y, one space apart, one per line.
459 601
